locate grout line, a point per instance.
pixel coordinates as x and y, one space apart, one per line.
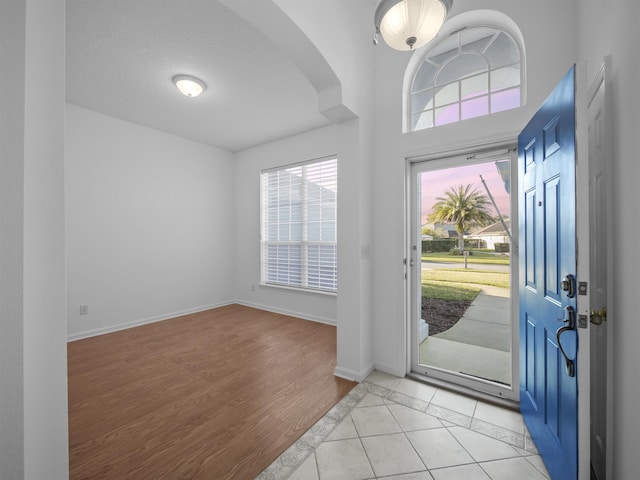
366 454
315 461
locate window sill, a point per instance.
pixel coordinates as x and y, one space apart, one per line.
322 293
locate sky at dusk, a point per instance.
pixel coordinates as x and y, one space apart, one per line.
436 182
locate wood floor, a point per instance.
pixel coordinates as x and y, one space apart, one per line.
213 395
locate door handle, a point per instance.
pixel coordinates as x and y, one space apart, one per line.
571 325
598 317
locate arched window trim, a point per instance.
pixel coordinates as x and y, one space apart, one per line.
466 20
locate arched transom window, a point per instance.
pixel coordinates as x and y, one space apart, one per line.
473 72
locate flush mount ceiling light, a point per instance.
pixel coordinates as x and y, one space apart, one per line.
409 24
188 85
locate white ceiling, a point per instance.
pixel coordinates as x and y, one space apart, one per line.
122 55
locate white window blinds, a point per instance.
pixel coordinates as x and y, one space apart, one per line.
299 225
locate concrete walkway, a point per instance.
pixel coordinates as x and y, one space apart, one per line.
480 343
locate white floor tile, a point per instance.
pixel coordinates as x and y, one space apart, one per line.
371 400
481 447
536 461
391 438
307 471
411 420
343 460
383 379
438 448
344 430
411 476
517 468
500 433
529 446
374 421
500 416
416 389
454 401
391 455
462 472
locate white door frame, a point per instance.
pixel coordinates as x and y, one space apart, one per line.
586 232
582 273
585 92
483 152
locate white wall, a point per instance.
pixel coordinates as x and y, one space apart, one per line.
549 56
611 29
350 53
12 45
355 244
348 49
246 205
33 388
150 222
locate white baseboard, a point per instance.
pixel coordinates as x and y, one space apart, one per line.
159 318
353 375
391 370
291 313
143 321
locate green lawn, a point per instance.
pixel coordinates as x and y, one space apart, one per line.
461 275
448 291
459 283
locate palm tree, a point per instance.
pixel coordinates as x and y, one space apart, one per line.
464 206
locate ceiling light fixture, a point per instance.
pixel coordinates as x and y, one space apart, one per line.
188 85
409 24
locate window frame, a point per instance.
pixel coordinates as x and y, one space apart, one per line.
304 243
453 28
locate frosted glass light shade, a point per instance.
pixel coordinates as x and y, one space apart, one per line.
410 24
189 86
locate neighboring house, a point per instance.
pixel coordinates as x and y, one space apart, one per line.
443 230
492 234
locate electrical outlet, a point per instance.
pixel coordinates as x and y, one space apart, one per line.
253 288
84 309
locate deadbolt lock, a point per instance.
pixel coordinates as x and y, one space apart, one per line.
568 284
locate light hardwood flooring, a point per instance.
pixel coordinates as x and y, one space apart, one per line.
213 395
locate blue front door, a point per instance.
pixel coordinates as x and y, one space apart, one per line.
548 343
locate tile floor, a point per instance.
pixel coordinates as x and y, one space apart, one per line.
399 429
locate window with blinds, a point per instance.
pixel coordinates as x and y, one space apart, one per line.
299 225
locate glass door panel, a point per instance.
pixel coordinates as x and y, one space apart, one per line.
461 269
